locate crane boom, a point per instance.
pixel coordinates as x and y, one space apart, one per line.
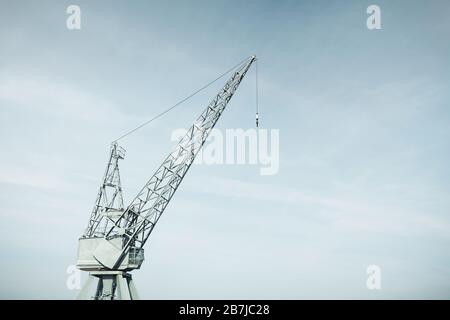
135 224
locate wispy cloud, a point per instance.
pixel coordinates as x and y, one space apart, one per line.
39 94
33 177
346 211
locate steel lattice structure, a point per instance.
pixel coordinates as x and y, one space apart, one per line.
114 239
109 200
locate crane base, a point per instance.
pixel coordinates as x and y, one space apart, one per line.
108 285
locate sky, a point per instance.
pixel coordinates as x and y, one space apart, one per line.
364 145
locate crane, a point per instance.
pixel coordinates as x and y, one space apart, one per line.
112 245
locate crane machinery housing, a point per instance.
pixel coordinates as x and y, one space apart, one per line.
113 243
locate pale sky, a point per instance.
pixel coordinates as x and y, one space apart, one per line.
363 117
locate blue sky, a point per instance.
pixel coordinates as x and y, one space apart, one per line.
364 144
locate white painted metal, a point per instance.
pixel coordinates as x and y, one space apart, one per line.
114 239
110 285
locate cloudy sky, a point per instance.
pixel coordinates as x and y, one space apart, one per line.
363 117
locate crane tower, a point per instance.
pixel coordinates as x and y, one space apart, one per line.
113 243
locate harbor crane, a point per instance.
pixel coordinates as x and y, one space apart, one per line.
113 243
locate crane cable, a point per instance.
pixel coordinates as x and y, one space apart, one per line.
181 101
256 88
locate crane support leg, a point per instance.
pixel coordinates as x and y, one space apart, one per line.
111 285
